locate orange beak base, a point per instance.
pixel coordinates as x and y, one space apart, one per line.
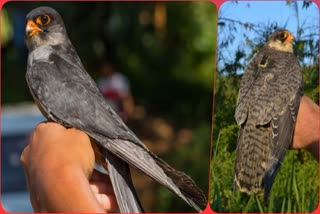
290 38
32 29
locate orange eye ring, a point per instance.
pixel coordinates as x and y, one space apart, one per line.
43 19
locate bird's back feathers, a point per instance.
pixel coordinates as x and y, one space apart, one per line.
268 102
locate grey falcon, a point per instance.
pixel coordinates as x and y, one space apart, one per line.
65 93
267 107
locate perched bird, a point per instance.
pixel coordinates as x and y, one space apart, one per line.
66 94
268 102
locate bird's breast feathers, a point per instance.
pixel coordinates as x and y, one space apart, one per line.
41 53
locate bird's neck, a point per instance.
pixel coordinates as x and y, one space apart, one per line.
280 46
41 53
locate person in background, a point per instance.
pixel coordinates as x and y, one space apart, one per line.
115 87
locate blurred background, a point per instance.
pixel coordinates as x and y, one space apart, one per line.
243 28
154 62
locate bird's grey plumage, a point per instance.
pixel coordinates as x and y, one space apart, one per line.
66 94
268 103
126 196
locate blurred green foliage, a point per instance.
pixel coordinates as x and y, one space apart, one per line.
167 51
296 186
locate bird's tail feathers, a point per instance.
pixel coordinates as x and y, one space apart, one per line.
193 194
251 158
139 157
124 190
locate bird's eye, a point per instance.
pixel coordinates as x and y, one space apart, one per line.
43 19
283 35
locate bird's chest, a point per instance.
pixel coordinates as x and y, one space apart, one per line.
40 54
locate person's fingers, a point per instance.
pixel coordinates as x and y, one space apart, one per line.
47 129
52 159
24 155
107 202
101 187
100 183
24 159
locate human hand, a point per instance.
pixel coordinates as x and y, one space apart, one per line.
58 163
102 188
306 134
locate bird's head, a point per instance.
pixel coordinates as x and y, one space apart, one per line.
44 26
281 40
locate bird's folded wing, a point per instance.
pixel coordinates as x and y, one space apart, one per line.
282 134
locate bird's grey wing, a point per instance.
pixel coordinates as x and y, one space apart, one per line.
72 99
247 81
124 190
69 102
282 134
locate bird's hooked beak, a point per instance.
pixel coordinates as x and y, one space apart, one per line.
290 38
32 29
